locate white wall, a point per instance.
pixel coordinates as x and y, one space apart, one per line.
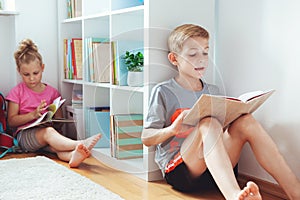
7 65
200 12
257 48
38 21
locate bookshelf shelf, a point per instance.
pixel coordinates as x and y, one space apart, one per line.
73 20
80 82
128 10
103 85
145 24
8 13
104 14
128 88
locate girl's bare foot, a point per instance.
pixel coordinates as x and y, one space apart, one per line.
91 141
78 155
250 192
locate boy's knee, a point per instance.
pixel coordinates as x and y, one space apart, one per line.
244 122
209 124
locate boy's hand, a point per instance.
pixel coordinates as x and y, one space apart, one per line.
40 109
178 128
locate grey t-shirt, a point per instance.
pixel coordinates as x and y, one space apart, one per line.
165 99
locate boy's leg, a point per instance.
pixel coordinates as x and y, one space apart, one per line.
203 149
247 129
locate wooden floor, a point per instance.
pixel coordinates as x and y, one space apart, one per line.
129 186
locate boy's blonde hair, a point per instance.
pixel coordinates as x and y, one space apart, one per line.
181 33
26 53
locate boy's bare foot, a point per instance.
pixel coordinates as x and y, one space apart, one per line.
250 192
78 155
91 141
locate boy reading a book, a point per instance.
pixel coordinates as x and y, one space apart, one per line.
28 101
192 157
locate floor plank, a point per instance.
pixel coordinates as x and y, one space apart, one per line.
129 186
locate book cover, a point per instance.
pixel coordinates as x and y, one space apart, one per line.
102 61
47 118
78 8
90 56
225 109
128 130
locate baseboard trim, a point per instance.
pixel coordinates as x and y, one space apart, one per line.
264 186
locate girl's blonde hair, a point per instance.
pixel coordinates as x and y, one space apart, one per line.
27 52
181 33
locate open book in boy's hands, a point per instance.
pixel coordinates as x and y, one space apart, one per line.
47 118
225 109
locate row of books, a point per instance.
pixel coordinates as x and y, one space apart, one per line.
120 132
98 59
103 62
73 58
74 8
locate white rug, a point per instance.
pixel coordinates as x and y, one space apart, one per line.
42 178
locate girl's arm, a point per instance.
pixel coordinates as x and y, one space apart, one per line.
15 119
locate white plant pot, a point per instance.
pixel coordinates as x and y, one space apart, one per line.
135 79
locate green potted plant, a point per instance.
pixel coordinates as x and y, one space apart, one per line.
134 62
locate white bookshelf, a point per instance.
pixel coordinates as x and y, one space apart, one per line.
150 22
8 12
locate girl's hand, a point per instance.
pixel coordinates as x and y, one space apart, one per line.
40 109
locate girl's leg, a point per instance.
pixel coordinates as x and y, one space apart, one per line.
75 157
49 136
203 148
247 129
68 150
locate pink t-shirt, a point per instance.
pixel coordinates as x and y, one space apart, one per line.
29 100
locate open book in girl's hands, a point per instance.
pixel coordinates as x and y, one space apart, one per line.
225 109
47 118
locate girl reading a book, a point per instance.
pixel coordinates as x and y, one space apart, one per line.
194 157
28 100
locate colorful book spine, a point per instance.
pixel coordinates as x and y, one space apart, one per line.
77 57
70 65
119 67
66 69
